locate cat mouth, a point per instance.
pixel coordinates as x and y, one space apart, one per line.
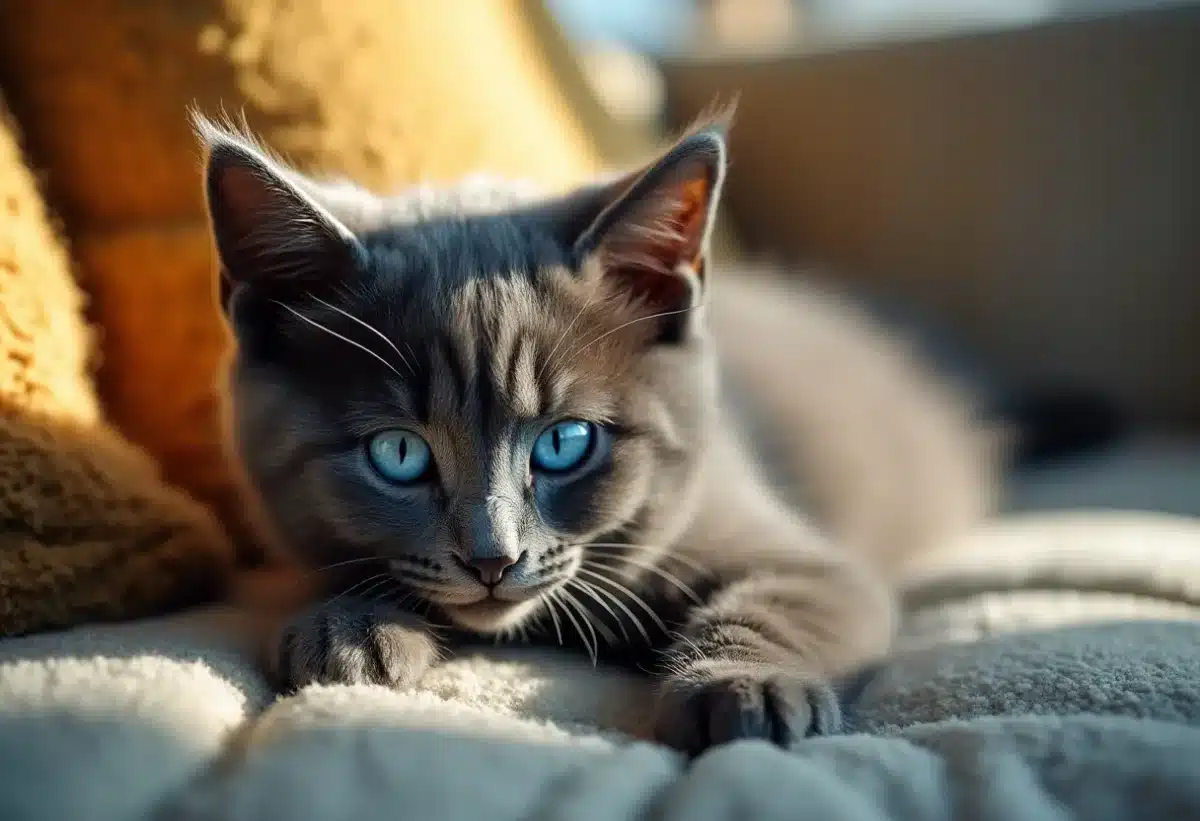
491 614
497 608
495 595
489 606
479 607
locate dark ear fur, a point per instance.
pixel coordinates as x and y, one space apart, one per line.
650 230
269 234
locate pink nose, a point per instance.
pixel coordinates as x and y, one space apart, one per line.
490 570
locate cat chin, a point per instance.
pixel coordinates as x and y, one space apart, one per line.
491 615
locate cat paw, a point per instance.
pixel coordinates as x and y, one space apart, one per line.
352 641
695 714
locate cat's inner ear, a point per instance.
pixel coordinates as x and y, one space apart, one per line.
269 233
653 233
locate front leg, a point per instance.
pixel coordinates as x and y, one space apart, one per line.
757 660
351 640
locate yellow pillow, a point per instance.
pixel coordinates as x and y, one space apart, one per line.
88 530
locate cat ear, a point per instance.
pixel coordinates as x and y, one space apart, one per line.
652 234
268 232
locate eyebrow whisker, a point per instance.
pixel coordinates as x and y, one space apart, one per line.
336 335
369 327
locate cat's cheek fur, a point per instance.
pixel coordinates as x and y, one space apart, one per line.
605 500
616 497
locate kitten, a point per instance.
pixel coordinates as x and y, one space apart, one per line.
479 411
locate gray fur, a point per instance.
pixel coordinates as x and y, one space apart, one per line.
477 316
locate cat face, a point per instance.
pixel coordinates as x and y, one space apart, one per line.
461 404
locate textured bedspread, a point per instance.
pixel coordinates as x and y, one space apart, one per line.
1062 682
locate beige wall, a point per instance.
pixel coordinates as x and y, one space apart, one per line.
1040 188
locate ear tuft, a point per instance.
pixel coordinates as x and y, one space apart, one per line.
718 117
268 232
663 221
652 231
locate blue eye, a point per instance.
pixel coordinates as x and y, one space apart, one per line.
563 446
399 455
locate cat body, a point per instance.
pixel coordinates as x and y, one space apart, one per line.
485 411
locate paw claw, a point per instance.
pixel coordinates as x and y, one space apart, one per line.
778 708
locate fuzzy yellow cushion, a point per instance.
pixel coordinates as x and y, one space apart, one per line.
387 92
88 530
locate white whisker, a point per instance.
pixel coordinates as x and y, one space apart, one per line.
665 553
610 638
323 568
578 628
695 648
336 335
634 597
553 617
368 326
579 351
620 606
350 590
411 352
405 599
366 594
649 567
380 581
583 615
586 587
550 356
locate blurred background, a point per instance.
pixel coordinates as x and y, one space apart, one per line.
620 41
1023 176
1015 181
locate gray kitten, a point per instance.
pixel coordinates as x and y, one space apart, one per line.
479 411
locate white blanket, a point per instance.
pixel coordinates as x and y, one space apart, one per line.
167 719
